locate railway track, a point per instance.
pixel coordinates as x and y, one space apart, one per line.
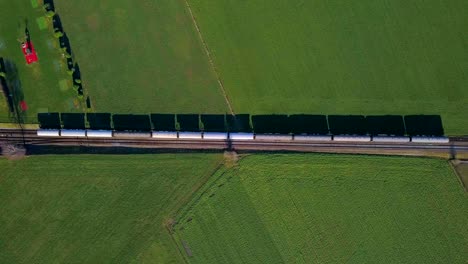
457 146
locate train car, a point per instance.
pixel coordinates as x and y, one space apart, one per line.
388 139
164 135
273 137
123 134
352 138
436 140
215 136
241 136
190 135
304 138
48 132
99 133
73 133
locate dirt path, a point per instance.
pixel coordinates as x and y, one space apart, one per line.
208 54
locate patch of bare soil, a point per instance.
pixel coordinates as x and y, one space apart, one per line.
230 159
13 152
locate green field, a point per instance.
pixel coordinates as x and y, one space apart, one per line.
372 57
95 209
39 82
141 56
328 209
336 57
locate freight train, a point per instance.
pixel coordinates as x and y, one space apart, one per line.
224 136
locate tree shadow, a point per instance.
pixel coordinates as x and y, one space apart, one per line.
16 94
49 5
77 79
57 23
3 83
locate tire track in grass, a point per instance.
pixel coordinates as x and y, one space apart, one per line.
208 54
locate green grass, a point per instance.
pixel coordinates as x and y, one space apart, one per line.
141 56
328 209
39 81
95 208
332 57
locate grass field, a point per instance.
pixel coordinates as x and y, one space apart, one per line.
316 57
95 209
40 82
141 56
328 209
335 57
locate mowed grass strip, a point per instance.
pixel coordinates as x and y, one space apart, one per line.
141 56
335 57
329 209
95 208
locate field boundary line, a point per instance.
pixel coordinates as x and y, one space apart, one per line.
453 165
210 59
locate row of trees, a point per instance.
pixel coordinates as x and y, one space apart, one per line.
72 67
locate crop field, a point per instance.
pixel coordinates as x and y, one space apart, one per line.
327 209
141 57
45 85
372 57
335 57
95 208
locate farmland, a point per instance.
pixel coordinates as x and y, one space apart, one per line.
95 209
332 57
39 83
314 57
327 209
141 57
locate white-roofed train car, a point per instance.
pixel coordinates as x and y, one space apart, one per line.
273 137
435 140
388 139
190 135
99 133
123 134
48 132
73 133
241 136
164 135
352 138
215 136
317 138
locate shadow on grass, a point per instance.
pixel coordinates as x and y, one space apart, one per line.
73 120
188 122
99 121
46 150
49 120
132 122
15 89
49 5
239 123
163 122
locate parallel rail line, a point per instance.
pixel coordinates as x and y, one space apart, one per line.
457 145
